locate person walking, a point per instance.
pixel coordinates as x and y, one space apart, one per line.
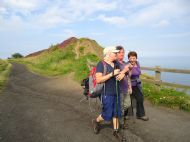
111 110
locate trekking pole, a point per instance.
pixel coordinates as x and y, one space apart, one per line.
123 139
116 103
132 111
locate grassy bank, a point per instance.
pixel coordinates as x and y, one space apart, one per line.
166 96
4 71
55 62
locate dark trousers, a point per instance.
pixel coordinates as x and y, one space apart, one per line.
137 94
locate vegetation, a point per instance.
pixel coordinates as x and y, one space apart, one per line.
58 61
160 95
4 71
17 55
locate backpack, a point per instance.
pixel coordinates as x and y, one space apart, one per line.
91 87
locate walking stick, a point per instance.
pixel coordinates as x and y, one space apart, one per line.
123 139
132 111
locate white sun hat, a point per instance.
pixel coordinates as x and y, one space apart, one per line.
110 49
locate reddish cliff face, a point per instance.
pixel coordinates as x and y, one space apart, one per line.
61 45
81 47
36 53
68 42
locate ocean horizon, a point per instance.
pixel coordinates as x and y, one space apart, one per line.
168 62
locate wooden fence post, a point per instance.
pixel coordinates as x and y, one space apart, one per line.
158 75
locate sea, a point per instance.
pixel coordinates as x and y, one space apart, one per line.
169 62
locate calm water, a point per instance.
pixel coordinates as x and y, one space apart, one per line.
169 62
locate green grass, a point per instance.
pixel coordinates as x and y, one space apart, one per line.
4 71
57 61
164 96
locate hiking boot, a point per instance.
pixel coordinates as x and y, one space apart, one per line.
117 135
125 125
96 126
144 118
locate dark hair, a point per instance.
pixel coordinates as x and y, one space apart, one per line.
132 53
119 47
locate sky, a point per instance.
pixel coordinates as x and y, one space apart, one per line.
153 28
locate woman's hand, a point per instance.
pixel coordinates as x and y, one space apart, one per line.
116 72
120 76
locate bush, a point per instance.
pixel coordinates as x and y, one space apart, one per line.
17 55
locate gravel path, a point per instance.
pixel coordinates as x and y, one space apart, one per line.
34 108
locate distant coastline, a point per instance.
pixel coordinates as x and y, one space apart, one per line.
169 62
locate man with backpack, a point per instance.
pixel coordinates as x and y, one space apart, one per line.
111 108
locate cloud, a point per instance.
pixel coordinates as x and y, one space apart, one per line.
13 24
53 13
22 7
48 14
115 20
151 13
45 14
2 10
176 35
162 23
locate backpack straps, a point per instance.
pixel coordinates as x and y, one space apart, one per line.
105 67
104 73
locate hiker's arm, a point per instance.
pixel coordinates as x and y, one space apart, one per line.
122 74
126 68
100 78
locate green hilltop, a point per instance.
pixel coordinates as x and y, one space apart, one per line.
69 56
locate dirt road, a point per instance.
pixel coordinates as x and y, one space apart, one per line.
40 109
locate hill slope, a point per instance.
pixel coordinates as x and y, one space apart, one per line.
81 47
69 56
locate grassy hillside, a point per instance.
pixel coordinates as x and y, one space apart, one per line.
61 61
4 71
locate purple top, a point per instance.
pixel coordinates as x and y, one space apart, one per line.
123 83
136 72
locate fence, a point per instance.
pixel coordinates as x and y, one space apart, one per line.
158 80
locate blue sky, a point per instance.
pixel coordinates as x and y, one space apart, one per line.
150 27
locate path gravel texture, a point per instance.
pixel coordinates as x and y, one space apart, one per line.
35 108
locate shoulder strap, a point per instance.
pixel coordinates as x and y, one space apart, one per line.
105 67
104 73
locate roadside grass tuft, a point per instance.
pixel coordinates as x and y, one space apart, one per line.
161 95
4 72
